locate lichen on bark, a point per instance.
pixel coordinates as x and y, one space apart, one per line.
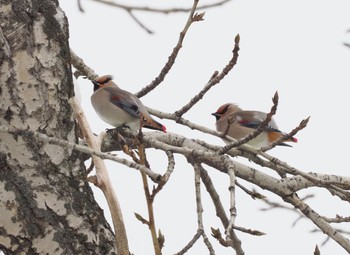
47 206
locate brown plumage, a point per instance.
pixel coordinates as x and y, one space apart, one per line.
119 108
244 123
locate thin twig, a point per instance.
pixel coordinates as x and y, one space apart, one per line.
138 22
159 10
318 221
249 231
253 194
166 176
317 181
197 186
232 188
257 131
337 219
217 235
197 182
208 244
82 68
80 6
215 79
82 148
285 137
197 97
171 59
149 199
191 242
220 211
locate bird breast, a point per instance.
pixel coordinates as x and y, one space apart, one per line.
111 113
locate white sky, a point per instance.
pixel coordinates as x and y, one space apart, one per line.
294 47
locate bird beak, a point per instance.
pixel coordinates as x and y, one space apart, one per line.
216 115
96 85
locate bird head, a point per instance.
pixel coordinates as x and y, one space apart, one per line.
102 81
221 111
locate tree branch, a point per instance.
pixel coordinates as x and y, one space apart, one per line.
149 199
215 79
256 132
159 10
301 126
103 182
197 169
82 68
318 221
171 59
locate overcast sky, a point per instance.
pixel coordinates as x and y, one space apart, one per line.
295 47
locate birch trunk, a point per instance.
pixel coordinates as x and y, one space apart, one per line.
46 205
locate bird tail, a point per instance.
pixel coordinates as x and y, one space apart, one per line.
273 136
152 124
159 127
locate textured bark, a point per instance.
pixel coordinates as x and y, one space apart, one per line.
46 205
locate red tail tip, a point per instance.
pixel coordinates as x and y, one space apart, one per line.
294 139
164 128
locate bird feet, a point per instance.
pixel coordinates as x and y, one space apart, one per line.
112 131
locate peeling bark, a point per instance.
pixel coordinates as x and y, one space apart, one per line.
46 205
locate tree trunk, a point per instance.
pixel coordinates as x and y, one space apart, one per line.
46 205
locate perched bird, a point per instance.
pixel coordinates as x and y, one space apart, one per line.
244 123
120 108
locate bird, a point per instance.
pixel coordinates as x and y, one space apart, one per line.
120 108
244 123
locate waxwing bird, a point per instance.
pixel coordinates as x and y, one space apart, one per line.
120 108
244 123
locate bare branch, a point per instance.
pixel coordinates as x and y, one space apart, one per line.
138 22
317 251
159 10
103 181
80 6
82 68
337 219
217 235
249 231
172 57
256 132
166 176
191 243
301 126
283 187
215 79
73 146
197 170
319 182
149 198
233 211
253 194
318 221
220 211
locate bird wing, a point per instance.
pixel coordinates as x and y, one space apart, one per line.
252 119
132 105
124 100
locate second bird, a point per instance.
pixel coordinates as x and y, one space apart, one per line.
244 123
120 108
